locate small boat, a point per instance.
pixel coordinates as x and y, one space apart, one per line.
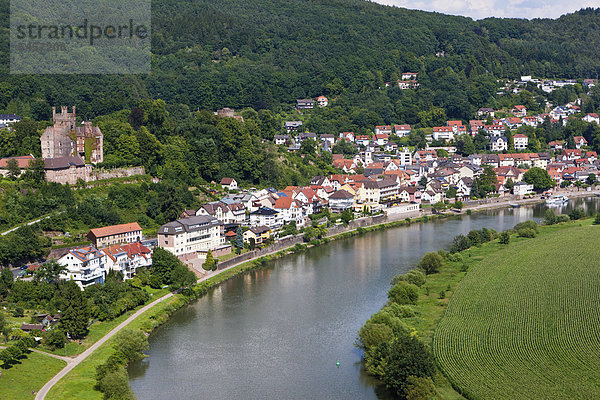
557 200
515 205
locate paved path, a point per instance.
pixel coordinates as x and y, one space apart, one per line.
67 359
77 360
28 223
73 362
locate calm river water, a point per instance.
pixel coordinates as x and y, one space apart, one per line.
277 333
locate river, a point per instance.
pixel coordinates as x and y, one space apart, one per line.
277 333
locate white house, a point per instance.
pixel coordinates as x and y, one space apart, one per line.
522 188
229 183
322 101
290 209
498 143
383 129
580 142
127 258
266 216
7 119
186 236
405 156
381 138
520 141
443 133
592 117
341 200
85 266
402 130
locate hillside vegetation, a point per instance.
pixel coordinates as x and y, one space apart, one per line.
524 321
267 53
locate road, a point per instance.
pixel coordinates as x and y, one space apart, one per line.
73 362
41 394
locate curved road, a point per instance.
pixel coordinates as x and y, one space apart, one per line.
72 363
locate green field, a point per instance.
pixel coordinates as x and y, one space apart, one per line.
31 374
524 322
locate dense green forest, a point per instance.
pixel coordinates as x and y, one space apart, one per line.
265 54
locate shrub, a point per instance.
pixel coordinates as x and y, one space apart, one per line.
504 238
371 335
597 219
404 293
550 217
526 233
455 257
18 312
56 338
562 218
115 385
430 263
414 276
577 213
460 243
419 388
527 224
400 310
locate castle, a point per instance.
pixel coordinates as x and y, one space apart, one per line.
64 139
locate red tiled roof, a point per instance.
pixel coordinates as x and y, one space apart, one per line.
22 161
115 229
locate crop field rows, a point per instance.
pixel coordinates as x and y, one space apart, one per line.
524 322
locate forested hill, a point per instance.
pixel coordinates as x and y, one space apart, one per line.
267 53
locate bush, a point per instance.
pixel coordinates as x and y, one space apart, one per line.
404 293
115 385
371 335
400 310
430 263
562 218
419 388
526 233
55 339
18 312
527 224
414 276
550 217
597 219
460 243
456 257
577 213
504 238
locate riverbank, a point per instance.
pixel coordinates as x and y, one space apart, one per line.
435 293
165 310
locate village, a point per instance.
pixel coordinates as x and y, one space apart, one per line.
377 177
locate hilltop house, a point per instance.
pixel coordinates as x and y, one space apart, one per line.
229 183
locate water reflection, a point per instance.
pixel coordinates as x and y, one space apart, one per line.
277 332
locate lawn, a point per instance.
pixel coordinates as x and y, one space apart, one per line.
524 322
79 383
18 381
